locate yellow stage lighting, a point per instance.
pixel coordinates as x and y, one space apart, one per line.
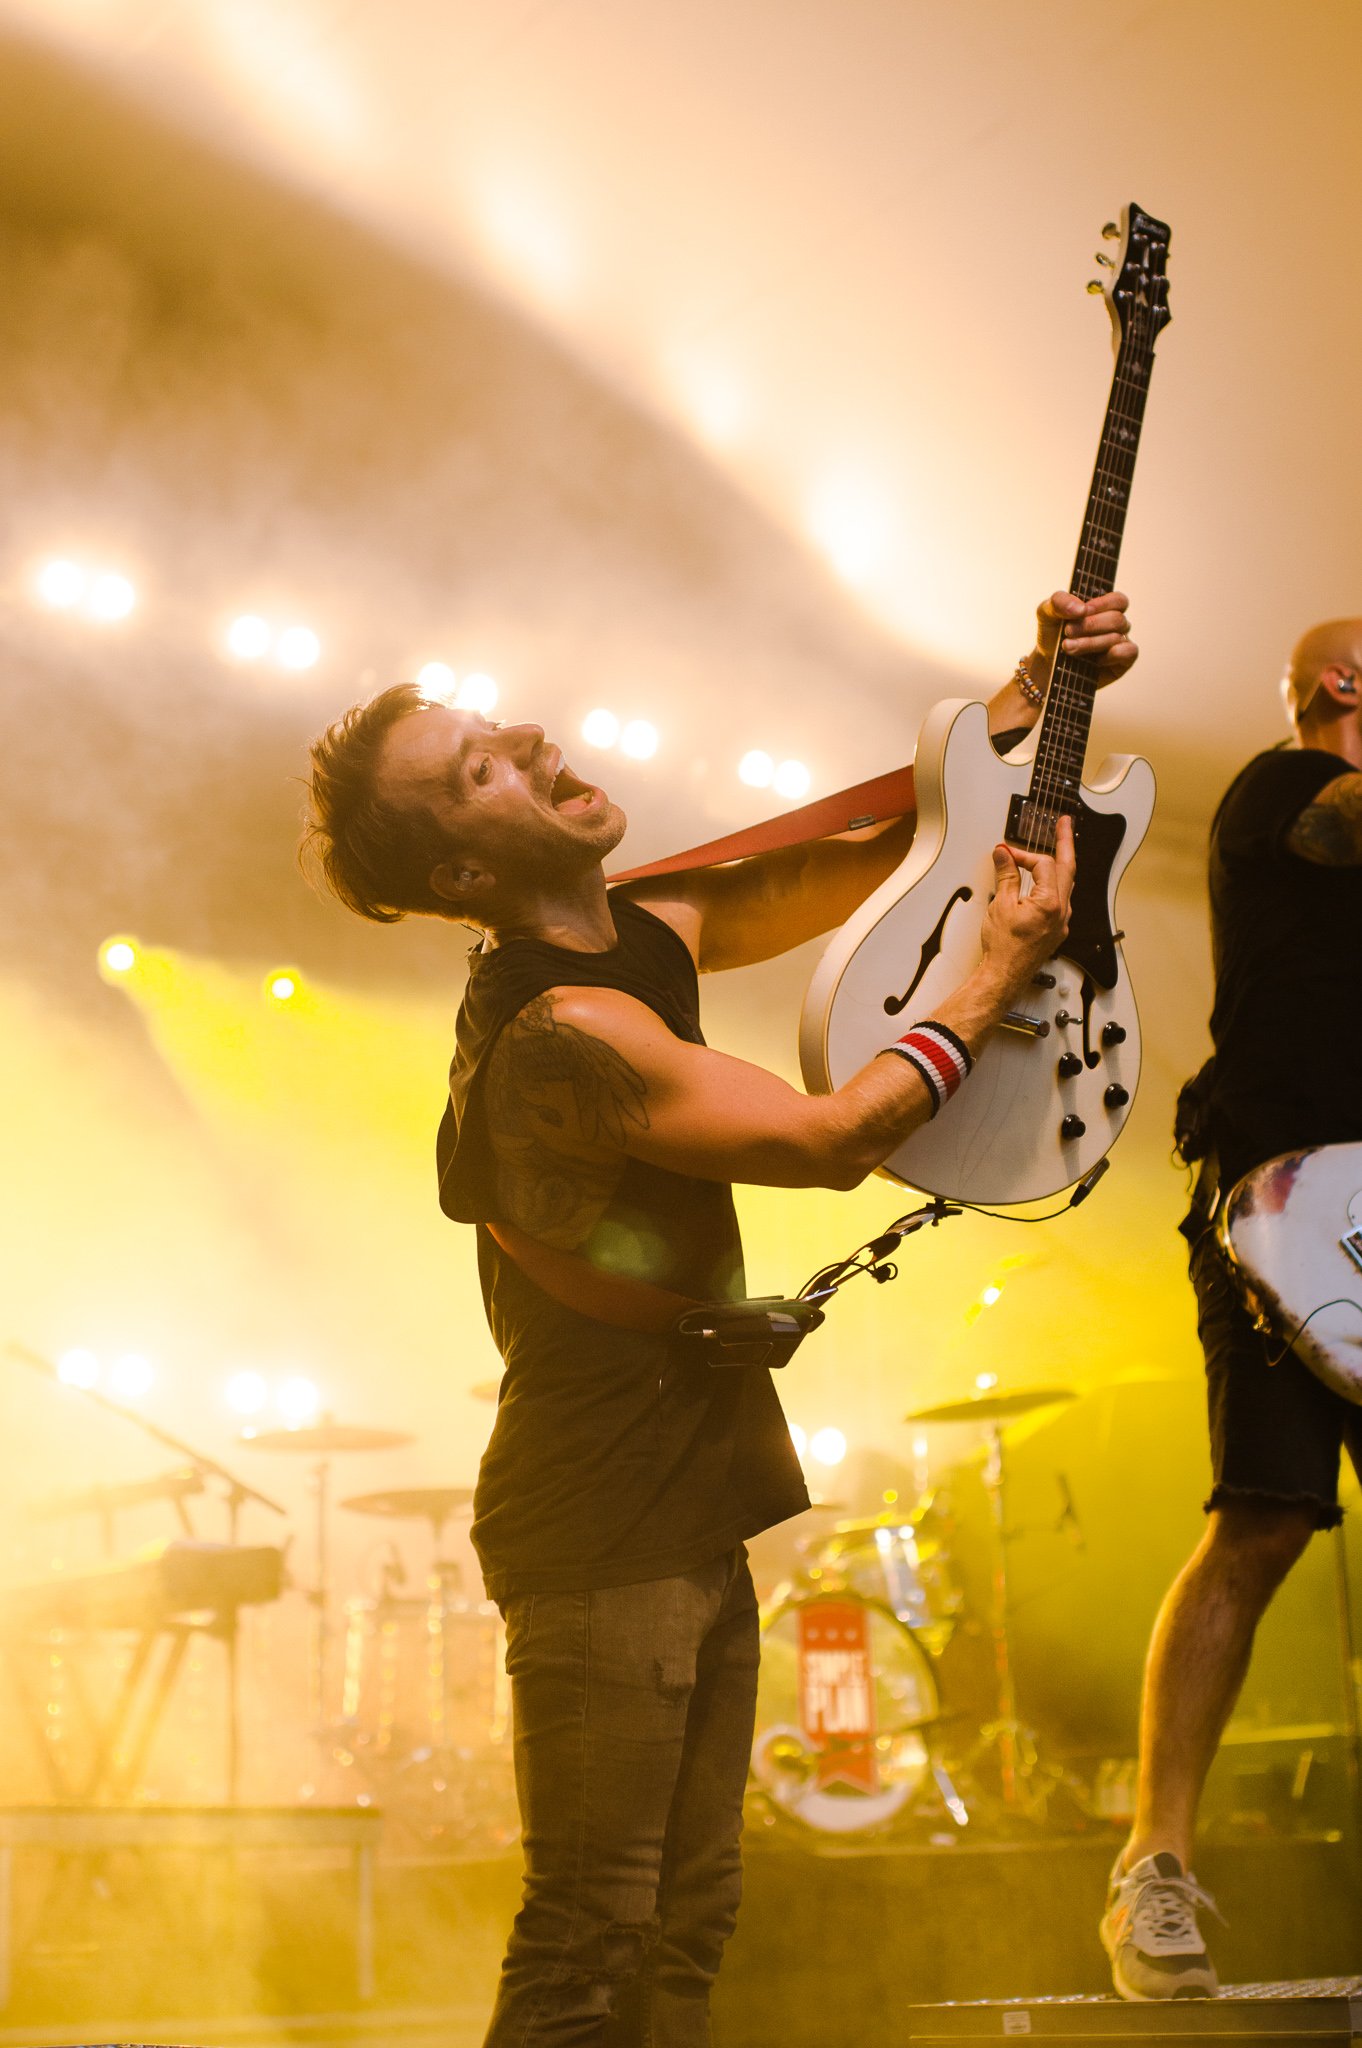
600 728
477 692
246 1393
756 769
990 1295
436 682
118 956
111 597
297 1400
828 1446
61 584
131 1376
248 637
639 740
792 779
298 647
282 985
985 1381
78 1368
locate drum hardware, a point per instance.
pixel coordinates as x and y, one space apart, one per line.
1026 1782
226 1592
424 1703
324 1438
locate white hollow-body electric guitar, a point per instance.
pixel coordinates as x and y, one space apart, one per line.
1053 1085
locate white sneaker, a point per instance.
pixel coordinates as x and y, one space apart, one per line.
1149 1930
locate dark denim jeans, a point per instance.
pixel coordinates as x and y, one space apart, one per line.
634 1708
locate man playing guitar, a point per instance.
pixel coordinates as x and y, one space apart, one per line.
1286 928
588 1119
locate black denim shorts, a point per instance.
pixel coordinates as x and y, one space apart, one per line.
1276 1430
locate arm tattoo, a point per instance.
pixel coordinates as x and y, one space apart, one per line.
1329 831
556 1099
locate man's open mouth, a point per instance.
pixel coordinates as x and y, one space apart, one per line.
570 795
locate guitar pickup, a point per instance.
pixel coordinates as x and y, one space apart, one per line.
1351 1242
1030 1027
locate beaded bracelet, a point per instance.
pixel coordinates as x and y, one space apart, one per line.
1027 684
942 1059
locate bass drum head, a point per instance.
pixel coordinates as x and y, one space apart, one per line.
789 1766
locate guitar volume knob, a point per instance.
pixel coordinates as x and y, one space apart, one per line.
1113 1034
1072 1127
1116 1096
1069 1065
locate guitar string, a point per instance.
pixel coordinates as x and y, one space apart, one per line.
1069 715
1064 732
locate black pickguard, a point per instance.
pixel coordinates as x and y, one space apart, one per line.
1098 836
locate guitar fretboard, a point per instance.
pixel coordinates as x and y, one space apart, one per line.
1062 744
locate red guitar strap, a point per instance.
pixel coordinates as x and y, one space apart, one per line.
868 803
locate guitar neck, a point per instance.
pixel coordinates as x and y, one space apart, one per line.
1062 744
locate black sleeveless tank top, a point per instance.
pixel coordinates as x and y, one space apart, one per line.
615 1457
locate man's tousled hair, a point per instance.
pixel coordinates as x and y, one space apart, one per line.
375 855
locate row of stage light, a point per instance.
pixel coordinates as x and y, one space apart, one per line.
295 1401
104 596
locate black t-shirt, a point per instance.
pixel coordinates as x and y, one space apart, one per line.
615 1456
1286 935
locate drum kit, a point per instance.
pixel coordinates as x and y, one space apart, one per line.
420 1721
853 1734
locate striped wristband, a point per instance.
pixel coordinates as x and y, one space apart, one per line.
942 1059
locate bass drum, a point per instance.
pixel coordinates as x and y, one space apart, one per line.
794 1769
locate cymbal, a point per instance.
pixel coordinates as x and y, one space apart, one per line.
427 1503
993 1407
327 1436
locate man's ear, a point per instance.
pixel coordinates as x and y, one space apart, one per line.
1342 684
463 884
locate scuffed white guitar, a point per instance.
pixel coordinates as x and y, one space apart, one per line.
1293 1228
1053 1087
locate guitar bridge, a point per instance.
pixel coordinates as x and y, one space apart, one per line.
1031 1027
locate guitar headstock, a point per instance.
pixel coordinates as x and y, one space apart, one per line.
1137 292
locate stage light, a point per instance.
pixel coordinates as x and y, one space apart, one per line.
828 1446
298 647
282 985
639 740
131 1376
78 1368
985 1381
118 956
477 692
792 779
248 637
799 1438
297 1400
921 1447
111 597
756 769
435 680
990 1295
61 584
600 728
246 1393
851 523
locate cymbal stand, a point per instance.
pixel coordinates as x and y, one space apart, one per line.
319 1647
1025 1782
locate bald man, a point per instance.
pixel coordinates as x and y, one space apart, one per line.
1286 928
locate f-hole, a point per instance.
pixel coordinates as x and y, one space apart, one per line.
931 946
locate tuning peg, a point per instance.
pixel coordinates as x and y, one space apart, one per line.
1107 262
1095 284
1111 232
